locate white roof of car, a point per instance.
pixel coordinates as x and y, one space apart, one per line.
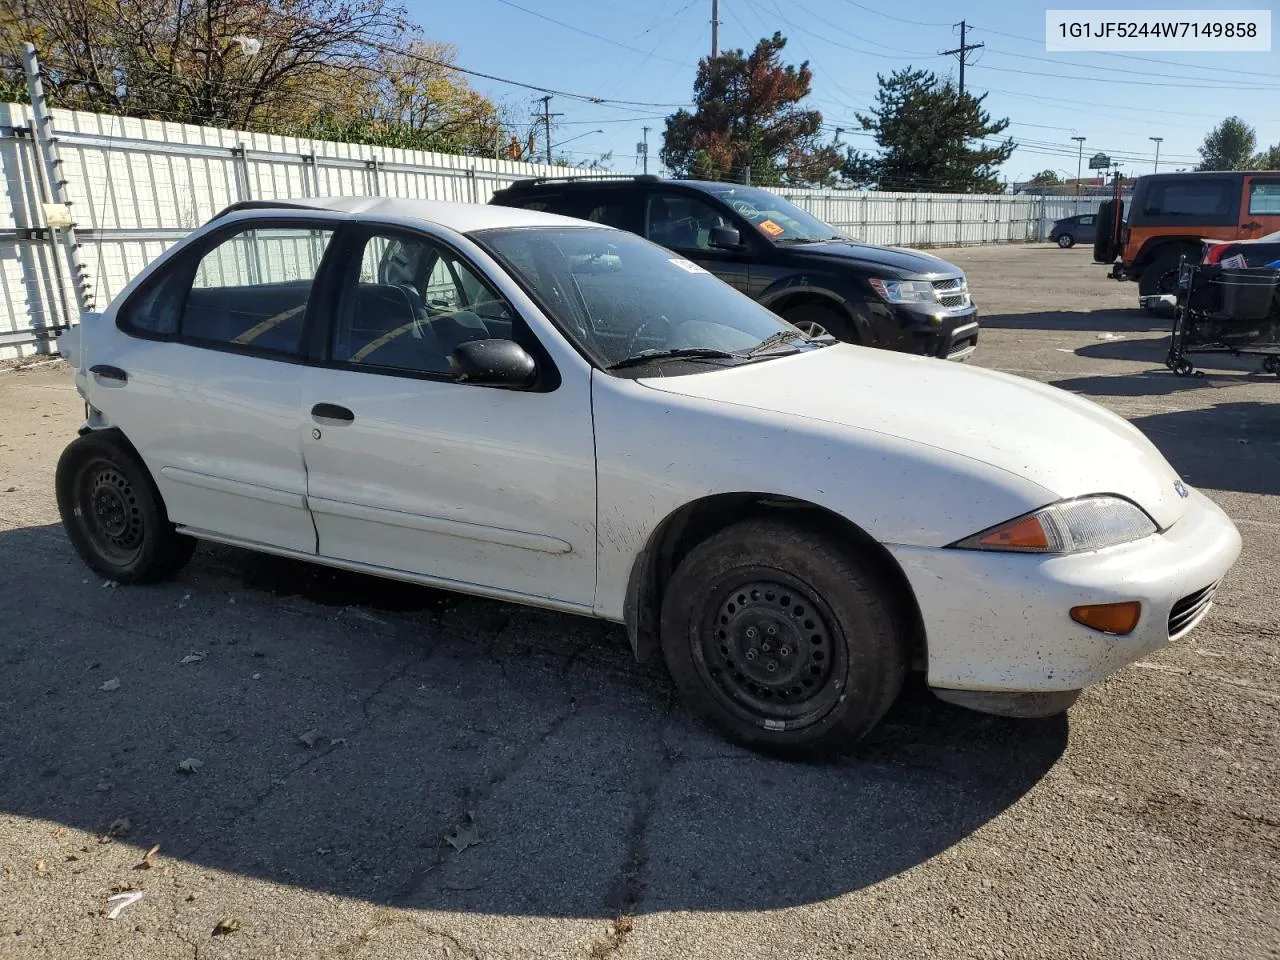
463 217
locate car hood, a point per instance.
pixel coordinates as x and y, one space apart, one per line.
1061 442
891 262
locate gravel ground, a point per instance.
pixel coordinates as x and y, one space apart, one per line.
1143 824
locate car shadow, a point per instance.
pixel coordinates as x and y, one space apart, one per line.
1115 321
1227 446
425 749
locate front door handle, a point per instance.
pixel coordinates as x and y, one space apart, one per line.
1251 225
108 372
332 412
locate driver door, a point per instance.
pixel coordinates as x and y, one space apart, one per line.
409 469
682 222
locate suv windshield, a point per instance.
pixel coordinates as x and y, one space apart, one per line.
622 298
779 220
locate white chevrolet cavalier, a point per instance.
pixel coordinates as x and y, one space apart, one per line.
557 413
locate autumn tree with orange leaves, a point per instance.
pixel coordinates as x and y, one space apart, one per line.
747 114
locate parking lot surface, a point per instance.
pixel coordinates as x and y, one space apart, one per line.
389 771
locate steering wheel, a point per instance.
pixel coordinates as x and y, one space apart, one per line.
638 334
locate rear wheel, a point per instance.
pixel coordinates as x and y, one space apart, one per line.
113 513
1066 240
783 638
815 320
1161 277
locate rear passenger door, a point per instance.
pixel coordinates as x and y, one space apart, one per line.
205 379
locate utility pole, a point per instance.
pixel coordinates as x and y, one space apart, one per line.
644 154
715 28
1158 141
962 51
1079 160
546 122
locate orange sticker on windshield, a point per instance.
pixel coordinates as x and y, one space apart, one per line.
769 227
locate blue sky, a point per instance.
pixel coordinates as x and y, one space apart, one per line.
648 53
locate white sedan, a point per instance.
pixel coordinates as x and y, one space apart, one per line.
556 413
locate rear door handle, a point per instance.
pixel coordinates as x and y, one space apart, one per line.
1251 225
332 412
108 372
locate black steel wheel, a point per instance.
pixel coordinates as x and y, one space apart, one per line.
784 637
113 513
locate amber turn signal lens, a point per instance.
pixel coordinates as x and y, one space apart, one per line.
1117 618
1025 534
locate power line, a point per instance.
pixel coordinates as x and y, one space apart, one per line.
585 33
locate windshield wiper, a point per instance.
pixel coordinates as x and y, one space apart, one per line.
677 353
775 340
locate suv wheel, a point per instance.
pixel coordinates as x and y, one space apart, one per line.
815 320
1161 277
1066 240
113 513
783 638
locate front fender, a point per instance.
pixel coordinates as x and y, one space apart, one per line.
656 452
802 288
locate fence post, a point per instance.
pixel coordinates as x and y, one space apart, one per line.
475 187
240 165
52 184
747 181
372 165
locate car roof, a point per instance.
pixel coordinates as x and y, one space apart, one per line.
556 184
462 217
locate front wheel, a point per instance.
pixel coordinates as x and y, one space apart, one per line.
815 320
783 638
113 513
1066 240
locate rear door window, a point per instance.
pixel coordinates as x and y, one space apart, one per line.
1264 197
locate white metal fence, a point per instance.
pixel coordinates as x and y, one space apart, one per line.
136 186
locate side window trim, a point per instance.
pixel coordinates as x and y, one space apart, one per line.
188 261
345 271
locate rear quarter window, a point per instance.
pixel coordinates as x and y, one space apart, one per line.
1200 198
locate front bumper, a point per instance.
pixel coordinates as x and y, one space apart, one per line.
1000 621
948 335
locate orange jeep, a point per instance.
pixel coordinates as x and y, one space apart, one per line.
1168 216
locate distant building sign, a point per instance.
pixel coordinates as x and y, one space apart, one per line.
1099 161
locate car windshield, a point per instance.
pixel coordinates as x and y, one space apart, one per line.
624 299
778 219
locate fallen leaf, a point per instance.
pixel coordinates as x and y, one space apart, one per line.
39 866
103 786
225 926
59 831
110 583
463 836
191 897
192 658
148 859
310 737
71 858
338 740
119 827
190 765
112 684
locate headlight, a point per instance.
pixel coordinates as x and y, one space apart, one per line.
1069 526
905 291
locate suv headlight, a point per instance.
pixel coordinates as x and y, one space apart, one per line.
905 291
1069 526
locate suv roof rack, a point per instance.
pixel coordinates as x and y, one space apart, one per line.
636 177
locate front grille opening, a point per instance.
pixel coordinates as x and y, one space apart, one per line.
1186 613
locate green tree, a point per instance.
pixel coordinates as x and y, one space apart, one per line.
1228 146
1045 178
1268 159
931 137
747 114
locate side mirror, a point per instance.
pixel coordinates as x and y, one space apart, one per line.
725 238
499 363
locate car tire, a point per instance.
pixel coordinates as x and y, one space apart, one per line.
814 320
1066 240
1160 276
784 638
114 515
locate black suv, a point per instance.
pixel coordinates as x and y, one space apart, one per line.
778 254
